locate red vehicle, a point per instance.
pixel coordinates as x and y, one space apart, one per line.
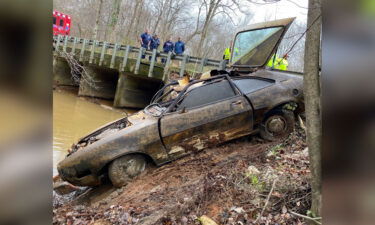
61 23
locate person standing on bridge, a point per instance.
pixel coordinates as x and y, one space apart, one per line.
167 47
154 44
145 41
179 47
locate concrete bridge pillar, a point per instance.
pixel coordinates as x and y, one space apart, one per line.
98 82
135 91
61 72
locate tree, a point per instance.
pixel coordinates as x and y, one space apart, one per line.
98 14
294 44
312 102
124 20
175 16
161 6
112 19
134 16
212 8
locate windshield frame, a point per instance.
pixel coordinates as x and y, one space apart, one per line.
160 92
274 49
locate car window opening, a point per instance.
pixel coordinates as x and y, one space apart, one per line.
206 94
248 85
195 94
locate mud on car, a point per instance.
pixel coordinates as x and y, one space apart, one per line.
243 100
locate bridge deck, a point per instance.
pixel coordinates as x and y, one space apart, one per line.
126 58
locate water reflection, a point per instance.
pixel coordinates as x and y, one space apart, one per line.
74 117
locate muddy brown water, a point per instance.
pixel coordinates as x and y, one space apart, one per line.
74 117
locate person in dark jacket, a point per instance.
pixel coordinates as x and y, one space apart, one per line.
179 47
154 44
167 47
145 41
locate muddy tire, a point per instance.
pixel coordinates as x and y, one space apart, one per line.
122 170
277 125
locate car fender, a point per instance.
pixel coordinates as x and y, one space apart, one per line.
141 138
281 104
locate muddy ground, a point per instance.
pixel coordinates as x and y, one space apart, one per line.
229 183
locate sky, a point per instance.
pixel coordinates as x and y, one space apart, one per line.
278 10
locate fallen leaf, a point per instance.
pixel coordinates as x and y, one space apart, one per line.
205 220
237 209
284 210
277 194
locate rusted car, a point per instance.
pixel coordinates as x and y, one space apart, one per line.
243 100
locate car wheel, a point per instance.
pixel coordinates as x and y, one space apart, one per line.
278 124
122 170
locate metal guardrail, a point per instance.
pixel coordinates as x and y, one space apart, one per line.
62 41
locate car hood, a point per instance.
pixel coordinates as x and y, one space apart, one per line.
255 45
108 129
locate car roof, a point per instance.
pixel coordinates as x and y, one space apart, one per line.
277 76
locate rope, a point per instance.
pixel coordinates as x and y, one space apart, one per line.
303 34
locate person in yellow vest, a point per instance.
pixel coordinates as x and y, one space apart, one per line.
280 63
227 52
236 55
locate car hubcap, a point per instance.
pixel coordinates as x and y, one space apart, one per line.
276 124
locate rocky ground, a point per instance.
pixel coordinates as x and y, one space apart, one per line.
247 181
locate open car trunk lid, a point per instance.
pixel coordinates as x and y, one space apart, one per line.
255 45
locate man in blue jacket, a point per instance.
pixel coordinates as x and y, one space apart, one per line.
167 47
179 47
145 41
154 44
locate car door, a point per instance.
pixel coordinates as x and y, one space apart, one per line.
206 115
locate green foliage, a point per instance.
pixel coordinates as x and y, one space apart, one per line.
290 106
368 7
310 214
275 150
254 180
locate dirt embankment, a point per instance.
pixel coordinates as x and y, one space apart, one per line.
230 184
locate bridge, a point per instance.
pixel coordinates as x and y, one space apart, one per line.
118 72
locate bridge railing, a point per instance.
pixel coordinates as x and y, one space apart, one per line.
61 42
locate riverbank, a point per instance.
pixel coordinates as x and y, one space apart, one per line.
74 117
247 181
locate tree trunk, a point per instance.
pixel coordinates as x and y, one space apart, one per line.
312 102
96 28
113 20
129 30
210 14
160 15
139 19
115 12
106 28
79 30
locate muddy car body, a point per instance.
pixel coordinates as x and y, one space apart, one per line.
231 104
